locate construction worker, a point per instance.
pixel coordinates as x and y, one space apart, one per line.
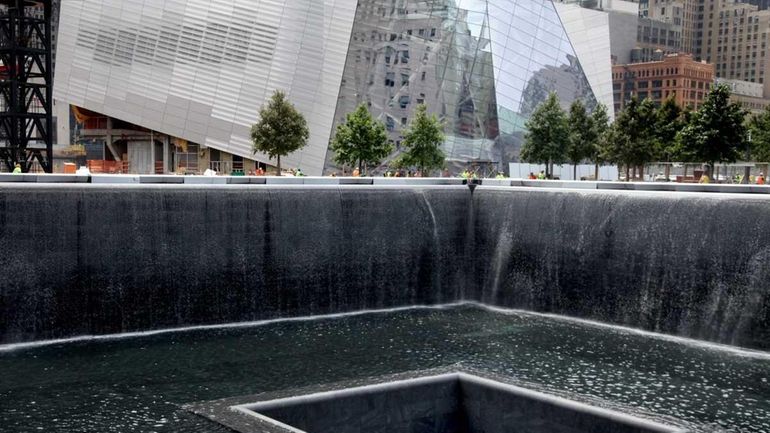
17 169
761 178
541 175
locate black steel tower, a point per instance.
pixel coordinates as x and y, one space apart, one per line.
26 84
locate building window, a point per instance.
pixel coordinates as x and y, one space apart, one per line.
390 79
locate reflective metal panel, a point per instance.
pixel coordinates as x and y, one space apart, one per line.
200 69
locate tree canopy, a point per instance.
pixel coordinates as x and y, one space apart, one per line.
759 126
631 140
547 135
281 129
582 135
360 141
422 141
668 122
716 132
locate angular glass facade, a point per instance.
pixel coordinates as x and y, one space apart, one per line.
481 65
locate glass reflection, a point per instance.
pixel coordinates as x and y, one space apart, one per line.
481 65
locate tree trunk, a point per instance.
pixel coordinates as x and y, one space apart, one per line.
360 167
279 165
641 173
668 172
596 172
634 173
574 171
628 173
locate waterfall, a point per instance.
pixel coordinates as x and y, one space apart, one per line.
91 260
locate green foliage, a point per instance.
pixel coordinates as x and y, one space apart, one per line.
759 126
600 121
361 141
582 134
281 129
631 140
716 132
669 121
547 134
422 141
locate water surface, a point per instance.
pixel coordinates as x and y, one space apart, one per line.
138 384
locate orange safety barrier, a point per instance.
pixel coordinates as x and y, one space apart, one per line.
102 166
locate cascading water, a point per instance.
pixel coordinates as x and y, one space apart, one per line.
95 260
684 264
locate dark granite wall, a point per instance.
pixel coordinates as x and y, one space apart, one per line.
433 407
492 409
445 404
94 259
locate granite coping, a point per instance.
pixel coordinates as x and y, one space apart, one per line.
149 179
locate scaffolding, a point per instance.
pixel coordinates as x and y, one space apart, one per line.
26 84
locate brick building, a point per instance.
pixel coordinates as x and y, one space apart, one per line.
687 80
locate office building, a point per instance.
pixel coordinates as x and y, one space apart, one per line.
677 76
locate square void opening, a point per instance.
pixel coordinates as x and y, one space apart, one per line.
447 403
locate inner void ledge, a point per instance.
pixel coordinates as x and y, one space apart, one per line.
456 401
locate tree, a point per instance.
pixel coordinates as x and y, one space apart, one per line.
422 141
759 126
582 135
600 121
716 132
281 129
668 122
361 141
631 141
547 135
